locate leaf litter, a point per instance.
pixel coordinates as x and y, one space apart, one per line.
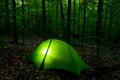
14 66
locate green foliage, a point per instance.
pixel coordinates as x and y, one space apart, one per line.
111 13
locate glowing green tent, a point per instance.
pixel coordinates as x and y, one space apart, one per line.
57 54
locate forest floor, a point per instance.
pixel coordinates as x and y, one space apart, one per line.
13 65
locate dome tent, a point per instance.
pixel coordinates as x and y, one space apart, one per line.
57 54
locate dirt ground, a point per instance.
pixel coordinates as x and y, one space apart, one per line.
14 66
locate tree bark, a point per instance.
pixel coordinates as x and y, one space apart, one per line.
28 13
36 2
74 19
98 29
62 19
111 25
68 22
84 22
78 26
23 34
57 6
15 36
44 19
7 26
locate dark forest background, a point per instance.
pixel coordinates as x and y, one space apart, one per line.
71 20
92 25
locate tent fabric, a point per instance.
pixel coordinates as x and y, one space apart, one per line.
57 54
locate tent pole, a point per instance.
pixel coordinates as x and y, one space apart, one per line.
42 64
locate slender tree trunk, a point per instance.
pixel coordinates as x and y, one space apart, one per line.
74 19
106 13
78 27
36 17
7 26
49 16
44 19
93 20
98 28
28 17
31 15
68 22
15 36
62 19
57 7
84 22
23 34
110 26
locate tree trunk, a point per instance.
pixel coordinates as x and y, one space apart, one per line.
14 22
23 22
68 22
98 29
28 13
92 29
62 19
84 22
78 26
57 6
36 2
44 19
74 19
110 26
7 26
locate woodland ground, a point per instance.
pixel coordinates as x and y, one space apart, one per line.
13 65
